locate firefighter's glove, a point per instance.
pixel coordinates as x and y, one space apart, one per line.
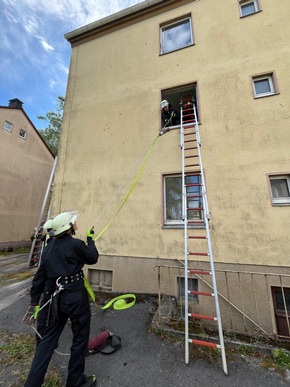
31 314
90 233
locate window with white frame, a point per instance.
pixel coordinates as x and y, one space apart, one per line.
248 7
176 35
8 126
280 189
22 134
173 199
264 85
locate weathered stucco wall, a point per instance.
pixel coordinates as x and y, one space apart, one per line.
112 115
25 169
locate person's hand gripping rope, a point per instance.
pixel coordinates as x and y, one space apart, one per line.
90 233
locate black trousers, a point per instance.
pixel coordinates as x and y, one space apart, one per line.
73 304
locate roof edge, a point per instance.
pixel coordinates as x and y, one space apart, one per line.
112 18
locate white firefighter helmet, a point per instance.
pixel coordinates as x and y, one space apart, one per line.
63 222
47 227
164 103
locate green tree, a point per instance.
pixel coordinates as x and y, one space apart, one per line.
53 120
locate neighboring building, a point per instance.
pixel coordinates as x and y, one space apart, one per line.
232 56
26 163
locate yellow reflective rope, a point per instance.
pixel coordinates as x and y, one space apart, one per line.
131 188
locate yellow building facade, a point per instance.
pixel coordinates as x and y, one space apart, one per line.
232 57
26 163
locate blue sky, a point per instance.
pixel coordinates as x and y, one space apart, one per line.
34 55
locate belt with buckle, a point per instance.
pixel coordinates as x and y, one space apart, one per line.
74 278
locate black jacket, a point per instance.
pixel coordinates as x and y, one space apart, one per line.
62 257
169 118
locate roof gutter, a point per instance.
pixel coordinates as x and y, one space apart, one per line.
121 19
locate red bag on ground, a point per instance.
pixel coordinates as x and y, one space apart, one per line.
103 340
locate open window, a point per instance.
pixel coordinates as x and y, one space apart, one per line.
174 97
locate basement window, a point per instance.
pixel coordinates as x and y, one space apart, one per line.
173 200
192 285
8 126
281 303
175 35
280 189
249 7
101 279
22 134
264 85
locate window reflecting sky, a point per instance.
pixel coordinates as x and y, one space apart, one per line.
176 36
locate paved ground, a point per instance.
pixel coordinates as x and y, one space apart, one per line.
13 263
144 359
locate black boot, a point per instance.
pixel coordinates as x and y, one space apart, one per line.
91 381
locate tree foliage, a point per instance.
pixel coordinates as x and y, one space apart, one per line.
53 120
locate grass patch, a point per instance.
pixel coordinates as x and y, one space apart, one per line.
279 360
16 353
281 357
246 350
5 278
16 250
17 347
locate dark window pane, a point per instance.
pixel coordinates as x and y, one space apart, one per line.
248 9
279 188
279 300
192 285
262 86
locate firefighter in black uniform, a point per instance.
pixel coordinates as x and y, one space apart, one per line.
62 262
169 116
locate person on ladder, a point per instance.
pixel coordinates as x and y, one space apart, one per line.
62 261
169 116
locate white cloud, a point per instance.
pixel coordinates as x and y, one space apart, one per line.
51 84
10 17
75 13
46 46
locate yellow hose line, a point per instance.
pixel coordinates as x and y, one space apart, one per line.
118 303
